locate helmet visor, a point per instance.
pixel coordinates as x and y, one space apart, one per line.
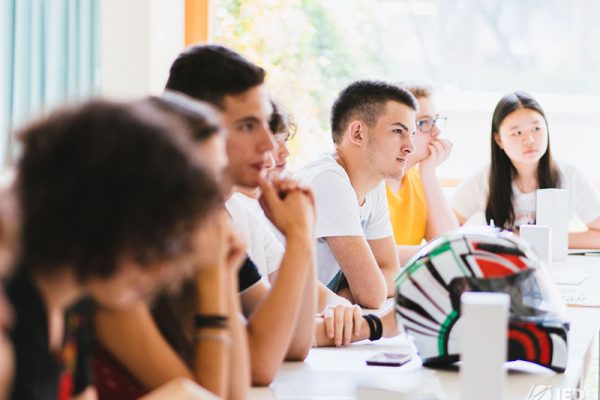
532 296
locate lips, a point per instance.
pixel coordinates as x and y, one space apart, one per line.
258 166
530 151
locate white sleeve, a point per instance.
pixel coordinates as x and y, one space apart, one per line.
585 198
337 208
379 225
470 196
273 250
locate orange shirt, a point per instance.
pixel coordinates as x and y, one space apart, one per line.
408 210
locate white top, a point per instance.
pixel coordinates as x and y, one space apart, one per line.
263 248
338 211
471 196
255 207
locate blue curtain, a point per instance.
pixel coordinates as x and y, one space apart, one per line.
50 55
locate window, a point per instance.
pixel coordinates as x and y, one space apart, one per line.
472 52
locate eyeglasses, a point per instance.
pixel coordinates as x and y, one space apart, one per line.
425 125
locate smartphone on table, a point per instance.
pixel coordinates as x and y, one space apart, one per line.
389 359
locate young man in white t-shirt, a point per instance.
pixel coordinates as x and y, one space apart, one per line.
372 126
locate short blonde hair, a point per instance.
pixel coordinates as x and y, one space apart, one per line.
419 90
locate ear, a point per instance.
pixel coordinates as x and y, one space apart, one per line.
497 140
356 132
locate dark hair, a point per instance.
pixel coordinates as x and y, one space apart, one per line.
103 181
281 121
211 72
365 100
200 117
500 199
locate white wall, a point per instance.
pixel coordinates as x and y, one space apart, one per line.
139 39
572 119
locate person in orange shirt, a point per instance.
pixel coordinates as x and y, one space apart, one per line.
418 208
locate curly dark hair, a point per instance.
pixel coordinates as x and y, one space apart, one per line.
102 181
281 120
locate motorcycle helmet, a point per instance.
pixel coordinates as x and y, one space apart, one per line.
429 287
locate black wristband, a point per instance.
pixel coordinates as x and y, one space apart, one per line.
371 323
210 321
378 327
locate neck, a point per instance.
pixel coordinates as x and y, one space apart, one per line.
253 193
227 188
361 177
526 178
59 290
396 184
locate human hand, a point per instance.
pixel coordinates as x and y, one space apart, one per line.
439 151
219 249
288 205
341 322
220 252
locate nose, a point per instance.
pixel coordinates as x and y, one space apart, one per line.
269 160
408 146
530 137
283 152
266 139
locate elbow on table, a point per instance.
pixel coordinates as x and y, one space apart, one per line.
371 300
263 376
299 353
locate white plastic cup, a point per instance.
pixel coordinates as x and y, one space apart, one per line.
553 209
539 238
483 345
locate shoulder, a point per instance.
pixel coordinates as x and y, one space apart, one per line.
568 173
378 194
479 178
324 168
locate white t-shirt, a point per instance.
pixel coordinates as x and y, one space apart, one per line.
470 198
263 248
255 207
338 211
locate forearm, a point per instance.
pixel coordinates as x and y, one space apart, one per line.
303 334
440 217
589 239
271 325
212 345
239 365
211 360
133 338
390 274
327 296
405 253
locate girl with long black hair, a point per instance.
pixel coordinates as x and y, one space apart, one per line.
521 163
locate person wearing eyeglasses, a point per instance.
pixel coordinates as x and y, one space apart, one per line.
418 208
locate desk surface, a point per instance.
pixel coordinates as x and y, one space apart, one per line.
339 373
